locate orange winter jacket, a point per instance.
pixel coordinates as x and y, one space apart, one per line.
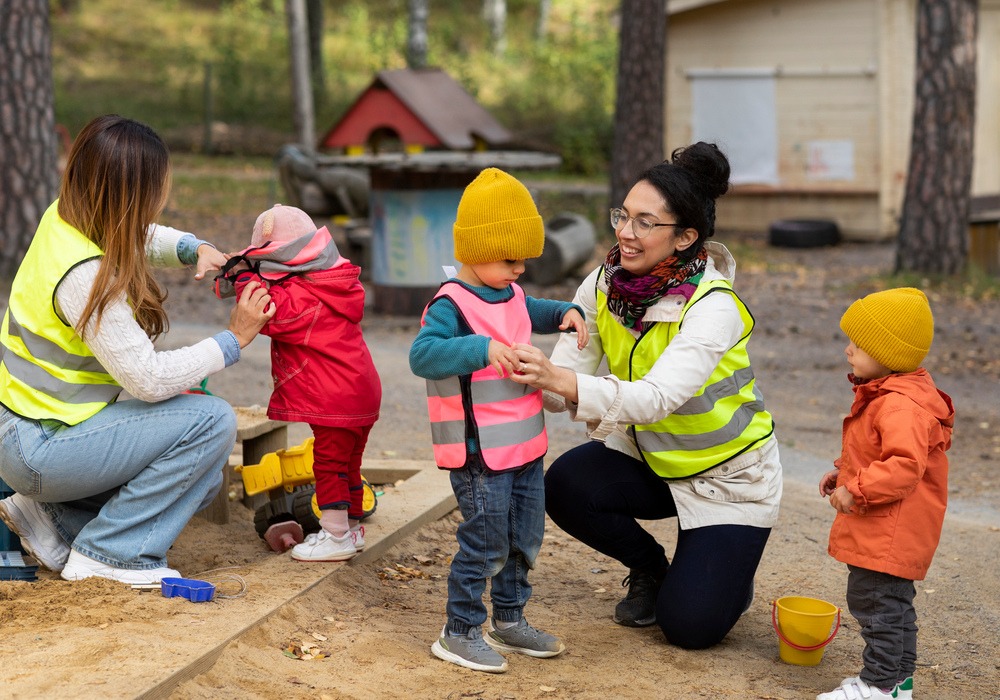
894 464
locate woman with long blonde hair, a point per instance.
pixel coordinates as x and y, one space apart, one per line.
103 487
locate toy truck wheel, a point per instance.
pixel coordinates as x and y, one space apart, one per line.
302 508
368 500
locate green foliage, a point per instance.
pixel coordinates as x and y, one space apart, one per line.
150 61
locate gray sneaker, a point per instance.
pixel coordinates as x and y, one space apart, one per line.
470 651
525 639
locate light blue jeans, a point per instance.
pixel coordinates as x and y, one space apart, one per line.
499 539
121 485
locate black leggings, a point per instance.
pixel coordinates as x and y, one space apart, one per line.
596 494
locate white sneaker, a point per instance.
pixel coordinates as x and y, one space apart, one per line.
855 689
80 566
39 537
322 546
358 533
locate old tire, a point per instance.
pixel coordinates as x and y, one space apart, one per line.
804 233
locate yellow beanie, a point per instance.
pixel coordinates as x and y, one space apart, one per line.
894 327
497 220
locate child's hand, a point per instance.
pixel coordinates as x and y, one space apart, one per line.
842 499
828 482
574 319
502 358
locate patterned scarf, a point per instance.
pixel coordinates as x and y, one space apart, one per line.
629 295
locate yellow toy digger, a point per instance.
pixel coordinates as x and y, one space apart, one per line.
292 511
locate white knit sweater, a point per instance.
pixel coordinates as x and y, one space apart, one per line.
121 345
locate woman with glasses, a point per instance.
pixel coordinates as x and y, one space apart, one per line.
678 427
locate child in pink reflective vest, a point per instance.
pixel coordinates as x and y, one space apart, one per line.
322 370
486 429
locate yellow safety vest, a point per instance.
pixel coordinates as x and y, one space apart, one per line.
46 371
725 418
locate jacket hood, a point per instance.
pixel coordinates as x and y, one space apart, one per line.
277 260
919 387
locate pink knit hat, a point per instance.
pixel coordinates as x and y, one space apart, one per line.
281 224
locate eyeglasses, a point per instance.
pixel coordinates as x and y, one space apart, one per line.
640 227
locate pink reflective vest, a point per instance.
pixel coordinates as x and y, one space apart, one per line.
507 417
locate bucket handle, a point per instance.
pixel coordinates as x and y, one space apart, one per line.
793 645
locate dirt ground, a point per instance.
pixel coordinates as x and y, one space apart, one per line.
371 624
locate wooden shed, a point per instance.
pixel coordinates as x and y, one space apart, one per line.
420 108
812 100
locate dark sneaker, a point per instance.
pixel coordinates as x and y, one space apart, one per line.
522 638
638 608
470 651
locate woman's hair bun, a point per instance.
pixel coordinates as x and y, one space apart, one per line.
707 164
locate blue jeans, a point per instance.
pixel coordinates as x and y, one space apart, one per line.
121 485
504 519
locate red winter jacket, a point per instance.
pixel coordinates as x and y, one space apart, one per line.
894 464
322 370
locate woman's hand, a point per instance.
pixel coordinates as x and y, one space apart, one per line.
534 368
574 319
251 312
209 259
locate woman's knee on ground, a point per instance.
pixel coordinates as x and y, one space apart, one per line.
687 628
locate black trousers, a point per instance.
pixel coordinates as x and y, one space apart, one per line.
883 606
596 494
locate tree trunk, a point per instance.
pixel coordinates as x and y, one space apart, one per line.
639 104
495 14
542 26
933 228
416 34
314 21
28 141
304 114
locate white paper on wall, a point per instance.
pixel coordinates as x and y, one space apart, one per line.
830 160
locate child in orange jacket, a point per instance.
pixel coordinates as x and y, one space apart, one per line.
890 487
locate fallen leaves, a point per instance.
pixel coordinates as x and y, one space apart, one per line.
305 651
401 572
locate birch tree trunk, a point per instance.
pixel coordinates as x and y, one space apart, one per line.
934 227
416 34
495 14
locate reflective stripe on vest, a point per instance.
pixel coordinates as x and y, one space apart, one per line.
725 418
506 417
46 371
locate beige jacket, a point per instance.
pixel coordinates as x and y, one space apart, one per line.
745 490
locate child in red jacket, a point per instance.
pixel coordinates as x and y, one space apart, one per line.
890 487
322 370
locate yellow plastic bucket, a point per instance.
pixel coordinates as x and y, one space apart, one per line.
803 626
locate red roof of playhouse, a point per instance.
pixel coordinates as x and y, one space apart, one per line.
425 107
